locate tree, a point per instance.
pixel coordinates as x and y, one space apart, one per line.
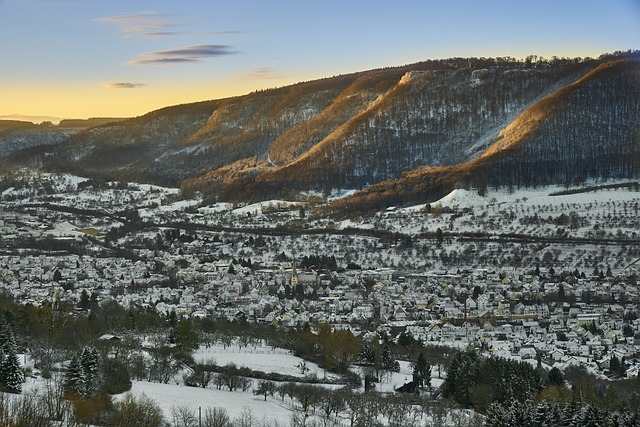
11 376
341 350
186 335
74 377
200 377
331 404
83 375
627 330
389 361
84 300
307 395
405 339
421 372
216 417
555 377
439 236
116 378
184 416
265 388
134 412
90 362
163 365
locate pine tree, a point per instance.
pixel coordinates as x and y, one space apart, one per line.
389 361
12 376
367 355
90 362
74 377
421 372
555 377
495 416
83 373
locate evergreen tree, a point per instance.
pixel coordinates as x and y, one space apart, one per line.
83 373
555 377
90 362
368 355
11 375
186 335
389 361
421 372
74 377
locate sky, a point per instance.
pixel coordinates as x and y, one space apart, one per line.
124 58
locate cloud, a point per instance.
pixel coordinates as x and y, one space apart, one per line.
30 118
264 73
182 54
121 85
218 33
143 24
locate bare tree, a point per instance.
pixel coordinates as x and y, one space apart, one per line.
184 417
216 417
245 419
135 411
265 388
331 404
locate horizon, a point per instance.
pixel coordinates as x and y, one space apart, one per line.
125 63
56 120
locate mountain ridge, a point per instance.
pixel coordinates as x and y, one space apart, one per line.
368 130
514 163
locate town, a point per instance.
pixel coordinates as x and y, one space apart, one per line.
141 246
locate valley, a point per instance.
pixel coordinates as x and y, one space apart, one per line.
451 242
280 262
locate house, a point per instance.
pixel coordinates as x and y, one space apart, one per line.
528 352
633 372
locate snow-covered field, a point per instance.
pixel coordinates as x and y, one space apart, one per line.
273 412
171 396
259 358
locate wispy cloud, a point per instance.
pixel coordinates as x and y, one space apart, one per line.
263 73
218 33
143 24
121 85
182 54
29 118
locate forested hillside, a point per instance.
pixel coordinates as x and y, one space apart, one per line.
589 130
419 129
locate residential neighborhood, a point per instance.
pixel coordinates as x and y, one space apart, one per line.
552 314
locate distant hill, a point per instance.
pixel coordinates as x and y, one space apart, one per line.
7 126
401 134
86 123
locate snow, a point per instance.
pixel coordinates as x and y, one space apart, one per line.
461 198
178 206
259 358
347 223
390 381
149 188
340 194
262 207
216 208
170 396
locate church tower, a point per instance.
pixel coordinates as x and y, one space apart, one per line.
294 275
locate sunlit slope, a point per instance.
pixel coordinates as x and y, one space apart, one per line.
587 130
